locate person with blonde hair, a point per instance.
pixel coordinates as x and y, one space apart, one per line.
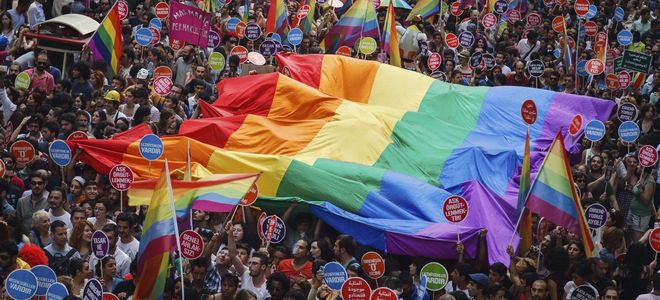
40 232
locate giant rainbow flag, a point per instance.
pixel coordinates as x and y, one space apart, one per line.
424 8
373 149
106 43
359 21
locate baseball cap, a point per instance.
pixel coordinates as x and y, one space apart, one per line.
479 278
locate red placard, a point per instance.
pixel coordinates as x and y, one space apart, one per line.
534 20
489 20
576 124
122 8
240 29
23 151
251 196
162 10
162 85
528 111
239 51
590 28
595 67
384 293
612 81
109 296
455 9
647 156
156 36
373 264
163 71
260 221
343 50
601 41
3 168
77 135
176 44
302 12
624 79
654 239
434 61
451 40
581 7
455 209
558 24
571 42
355 288
121 177
192 244
513 16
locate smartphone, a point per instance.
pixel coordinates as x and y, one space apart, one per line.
608 170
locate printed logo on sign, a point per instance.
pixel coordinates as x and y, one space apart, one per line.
455 209
121 177
355 288
466 39
451 40
595 130
434 61
627 112
629 131
647 156
191 244
436 276
596 215
373 264
60 153
334 275
528 111
151 147
162 85
23 151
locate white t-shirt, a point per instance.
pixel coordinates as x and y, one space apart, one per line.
122 260
66 218
246 283
131 249
450 288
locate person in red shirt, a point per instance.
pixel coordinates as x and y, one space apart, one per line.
299 266
518 77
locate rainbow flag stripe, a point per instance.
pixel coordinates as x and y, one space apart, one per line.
357 22
278 19
390 40
106 43
386 189
158 239
525 227
554 197
424 8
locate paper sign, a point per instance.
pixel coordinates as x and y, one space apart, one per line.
500 7
581 7
595 130
214 39
156 23
584 292
434 61
455 209
618 14
122 8
367 46
590 28
109 296
57 291
121 177
192 244
476 60
256 58
455 9
216 61
23 151
558 24
334 275
654 239
163 85
612 81
528 111
143 36
77 135
596 215
624 37
576 125
466 39
151 147
534 20
60 153
252 31
162 70
595 67
355 288
384 293
274 229
629 131
373 264
268 48
21 284
344 51
232 23
45 278
100 244
295 36
251 196
451 40
436 276
647 156
22 81
536 68
624 79
489 20
241 52
93 290
162 10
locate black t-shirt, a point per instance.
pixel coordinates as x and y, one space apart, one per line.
598 190
652 139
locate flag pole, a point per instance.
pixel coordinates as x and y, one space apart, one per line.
170 196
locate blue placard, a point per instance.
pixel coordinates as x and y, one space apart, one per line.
252 31
232 23
214 39
593 12
557 53
276 37
295 36
45 278
151 147
601 84
629 131
466 39
278 233
596 215
581 33
595 130
93 290
57 291
582 68
624 37
143 36
334 275
21 284
618 14
268 48
156 23
60 153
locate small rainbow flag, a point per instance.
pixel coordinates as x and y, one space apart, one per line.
307 24
358 22
106 44
424 8
525 228
278 19
159 237
568 60
390 40
553 195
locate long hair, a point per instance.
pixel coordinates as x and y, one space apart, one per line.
77 234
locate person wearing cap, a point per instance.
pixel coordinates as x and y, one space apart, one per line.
478 283
463 66
112 99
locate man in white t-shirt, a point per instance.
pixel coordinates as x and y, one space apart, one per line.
253 277
122 259
529 45
127 242
56 200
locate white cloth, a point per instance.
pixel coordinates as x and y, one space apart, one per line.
246 283
131 249
122 260
35 14
66 218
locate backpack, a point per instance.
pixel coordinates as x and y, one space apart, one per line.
60 264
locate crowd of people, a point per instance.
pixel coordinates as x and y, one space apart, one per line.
49 216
